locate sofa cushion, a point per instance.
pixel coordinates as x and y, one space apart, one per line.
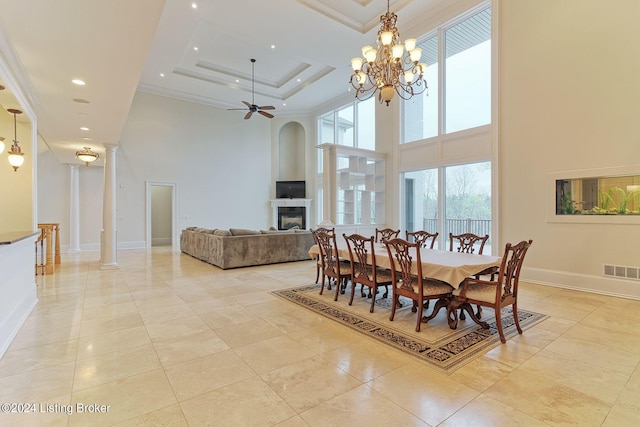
243 232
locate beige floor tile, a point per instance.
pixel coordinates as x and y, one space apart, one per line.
310 382
90 313
487 412
110 323
115 365
176 328
367 359
122 339
199 376
37 386
123 399
247 403
171 416
226 316
295 421
594 353
362 406
326 337
189 347
513 353
596 381
481 373
621 417
53 412
164 314
578 367
296 320
241 334
548 401
33 358
430 395
274 353
629 398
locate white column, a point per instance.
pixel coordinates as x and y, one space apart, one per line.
74 209
109 241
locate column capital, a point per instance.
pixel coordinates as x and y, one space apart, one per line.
110 147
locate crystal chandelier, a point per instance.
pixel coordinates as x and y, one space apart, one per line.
391 68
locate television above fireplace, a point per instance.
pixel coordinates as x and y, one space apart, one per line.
291 190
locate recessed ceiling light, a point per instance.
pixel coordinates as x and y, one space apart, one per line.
194 5
299 80
284 104
80 101
86 138
84 128
237 80
273 46
195 48
161 74
78 82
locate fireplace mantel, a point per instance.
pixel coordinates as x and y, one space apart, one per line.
276 203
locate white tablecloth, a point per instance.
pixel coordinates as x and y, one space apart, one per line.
449 267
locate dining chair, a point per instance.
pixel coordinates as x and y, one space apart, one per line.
363 268
402 255
496 294
423 238
386 234
466 243
319 259
332 266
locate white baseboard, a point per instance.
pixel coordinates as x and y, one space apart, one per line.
623 288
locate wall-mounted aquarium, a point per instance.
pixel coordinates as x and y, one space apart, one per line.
600 195
606 195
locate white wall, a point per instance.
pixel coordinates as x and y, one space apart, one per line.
569 91
54 194
217 159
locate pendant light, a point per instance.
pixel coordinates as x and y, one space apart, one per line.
16 156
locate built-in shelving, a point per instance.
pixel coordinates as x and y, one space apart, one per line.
359 187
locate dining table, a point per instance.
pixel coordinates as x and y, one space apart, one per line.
447 266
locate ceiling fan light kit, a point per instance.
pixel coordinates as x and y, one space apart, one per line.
251 106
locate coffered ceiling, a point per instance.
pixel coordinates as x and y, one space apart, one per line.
198 51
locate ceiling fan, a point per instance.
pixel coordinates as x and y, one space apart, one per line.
252 107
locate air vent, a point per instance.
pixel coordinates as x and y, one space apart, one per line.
622 272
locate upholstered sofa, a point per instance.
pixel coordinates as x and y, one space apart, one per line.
241 247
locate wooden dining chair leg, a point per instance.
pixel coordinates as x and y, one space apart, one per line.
420 307
515 318
353 291
499 325
395 302
373 298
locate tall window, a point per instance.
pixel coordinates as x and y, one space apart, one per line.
468 73
421 200
466 191
353 125
464 57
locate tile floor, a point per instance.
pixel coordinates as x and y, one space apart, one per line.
169 340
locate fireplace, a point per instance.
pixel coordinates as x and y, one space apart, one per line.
289 217
288 213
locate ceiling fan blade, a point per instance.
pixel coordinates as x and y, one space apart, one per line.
236 109
267 107
248 115
266 114
246 103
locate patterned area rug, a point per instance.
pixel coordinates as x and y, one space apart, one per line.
435 344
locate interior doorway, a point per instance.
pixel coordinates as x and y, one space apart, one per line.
161 214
